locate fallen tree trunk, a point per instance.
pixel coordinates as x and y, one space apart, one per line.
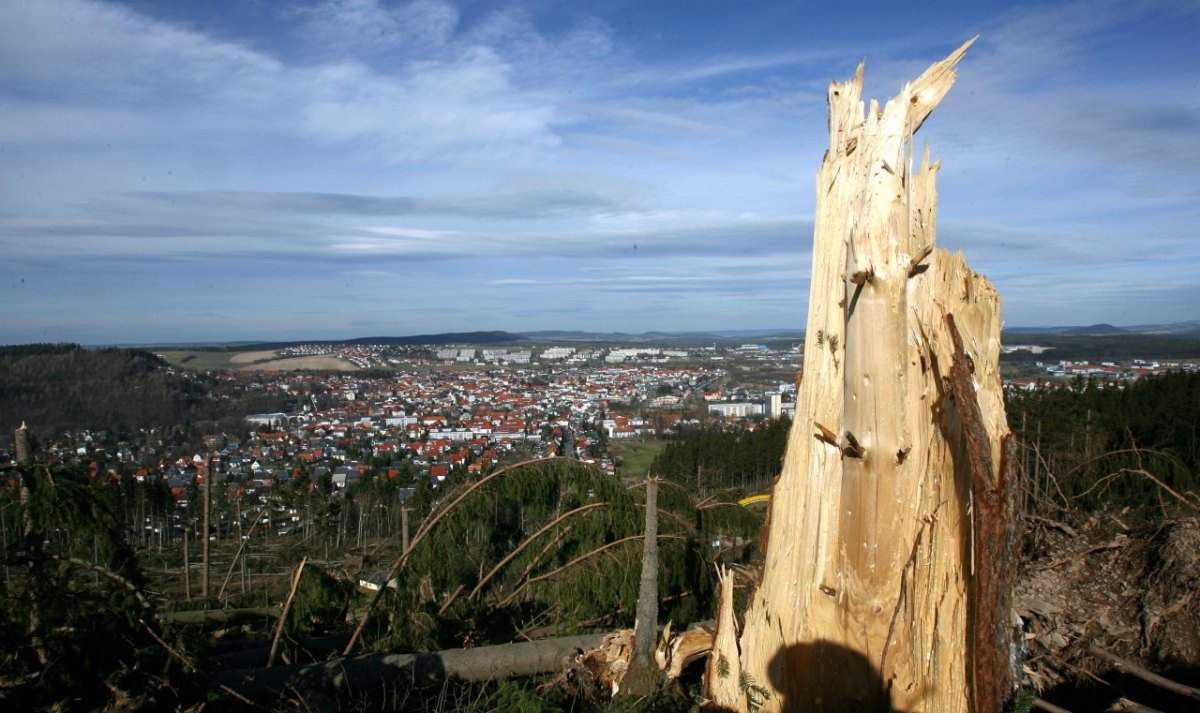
877 592
605 656
339 676
221 616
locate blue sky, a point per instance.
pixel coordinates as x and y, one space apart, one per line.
246 169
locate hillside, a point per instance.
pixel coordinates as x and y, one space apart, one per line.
62 387
1115 345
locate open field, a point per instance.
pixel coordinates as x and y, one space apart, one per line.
253 361
199 360
636 455
251 357
314 363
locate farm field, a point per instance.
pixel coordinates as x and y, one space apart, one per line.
199 360
254 361
314 363
251 357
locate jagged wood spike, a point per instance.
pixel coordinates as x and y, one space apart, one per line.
865 601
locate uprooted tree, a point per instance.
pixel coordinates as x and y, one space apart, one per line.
890 550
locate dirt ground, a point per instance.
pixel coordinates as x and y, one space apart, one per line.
1108 587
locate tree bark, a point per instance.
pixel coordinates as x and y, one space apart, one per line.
642 676
869 598
204 564
32 540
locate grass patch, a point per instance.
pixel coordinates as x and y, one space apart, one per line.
635 456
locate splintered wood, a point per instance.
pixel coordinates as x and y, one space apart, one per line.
865 601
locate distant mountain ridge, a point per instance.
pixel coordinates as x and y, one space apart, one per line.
1190 329
493 337
1184 330
697 336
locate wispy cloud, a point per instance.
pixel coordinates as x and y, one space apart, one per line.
351 25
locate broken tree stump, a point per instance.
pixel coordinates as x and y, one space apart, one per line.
876 592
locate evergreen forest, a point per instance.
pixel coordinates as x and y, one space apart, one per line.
1090 444
57 388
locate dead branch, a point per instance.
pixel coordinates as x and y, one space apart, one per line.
1147 676
187 664
1048 706
241 547
1147 474
111 575
1057 525
283 614
450 600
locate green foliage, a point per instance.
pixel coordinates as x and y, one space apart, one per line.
513 696
320 602
80 630
755 694
581 572
634 457
1023 701
713 459
1105 346
1090 437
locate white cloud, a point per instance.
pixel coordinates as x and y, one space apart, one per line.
435 110
145 80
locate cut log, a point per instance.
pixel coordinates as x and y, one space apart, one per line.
875 593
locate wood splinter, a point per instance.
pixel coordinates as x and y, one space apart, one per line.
863 276
914 265
826 435
852 448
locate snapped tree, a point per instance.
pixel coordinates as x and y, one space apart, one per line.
890 547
